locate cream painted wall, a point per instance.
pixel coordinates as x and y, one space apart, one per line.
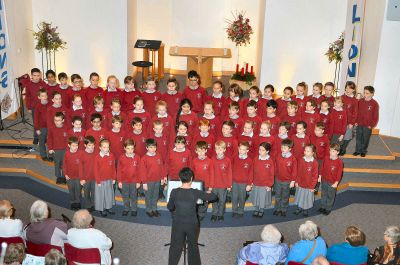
95 32
296 35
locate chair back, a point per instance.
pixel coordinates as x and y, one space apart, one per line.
11 240
81 255
40 249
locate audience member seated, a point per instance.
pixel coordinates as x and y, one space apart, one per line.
15 254
83 235
350 252
45 230
310 246
389 253
269 251
55 257
320 260
9 227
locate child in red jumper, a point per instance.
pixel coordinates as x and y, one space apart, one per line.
215 122
63 88
115 110
307 177
57 106
320 141
129 94
76 89
52 84
161 138
172 97
235 93
242 175
330 176
105 176
285 173
325 115
204 135
275 120
329 88
263 180
112 90
182 130
138 135
93 90
96 130
116 137
350 103
77 109
166 118
40 122
56 143
292 116
300 140
229 139
281 110
248 136
139 111
98 107
310 116
178 158
77 131
150 95
300 97
128 177
233 116
72 168
316 94
251 115
88 180
255 95
222 181
186 114
338 122
367 119
265 136
194 92
217 97
152 174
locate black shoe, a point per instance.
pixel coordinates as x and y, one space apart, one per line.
220 218
35 141
109 211
298 211
260 214
283 214
255 214
321 210
342 152
150 214
363 155
103 213
61 181
156 213
276 212
50 159
213 218
305 213
125 213
326 212
134 213
356 153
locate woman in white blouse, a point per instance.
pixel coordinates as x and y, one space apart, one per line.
9 227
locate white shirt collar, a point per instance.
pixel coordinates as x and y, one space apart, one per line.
287 155
115 113
263 158
162 116
113 130
76 107
287 100
96 130
314 96
194 87
211 117
302 136
243 156
331 158
264 97
265 135
131 155
150 91
87 151
311 159
127 90
111 90
63 87
324 112
150 154
158 135
338 109
172 92
178 134
220 157
283 136
137 133
234 117
310 111
179 151
76 130
44 102
138 111
249 135
204 134
190 112
217 96
300 97
202 158
104 154
98 110
236 98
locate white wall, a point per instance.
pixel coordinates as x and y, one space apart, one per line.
387 78
196 24
296 36
95 32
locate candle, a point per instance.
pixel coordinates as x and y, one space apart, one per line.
251 71
237 68
242 72
247 67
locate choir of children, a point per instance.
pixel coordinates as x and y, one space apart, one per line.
102 139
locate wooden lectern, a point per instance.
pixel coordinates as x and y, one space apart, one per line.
201 60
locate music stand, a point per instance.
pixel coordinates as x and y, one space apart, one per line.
152 45
143 65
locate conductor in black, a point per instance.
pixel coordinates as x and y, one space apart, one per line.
185 222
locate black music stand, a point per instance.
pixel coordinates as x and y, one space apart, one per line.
143 65
148 44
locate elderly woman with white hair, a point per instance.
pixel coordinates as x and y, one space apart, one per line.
83 235
269 251
45 230
310 246
389 253
9 227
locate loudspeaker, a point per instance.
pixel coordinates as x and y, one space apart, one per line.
393 10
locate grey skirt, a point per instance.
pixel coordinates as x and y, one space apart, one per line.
261 198
104 195
304 198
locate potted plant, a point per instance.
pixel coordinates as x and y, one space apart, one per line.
334 54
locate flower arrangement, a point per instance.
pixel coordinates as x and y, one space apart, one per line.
335 50
48 38
244 75
239 29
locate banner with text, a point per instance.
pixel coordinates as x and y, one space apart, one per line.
352 42
8 95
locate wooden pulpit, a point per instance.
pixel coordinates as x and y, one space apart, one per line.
201 60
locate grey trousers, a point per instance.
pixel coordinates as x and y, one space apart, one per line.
328 195
218 207
88 194
74 188
129 196
35 136
362 139
58 163
282 194
335 139
42 142
151 195
238 197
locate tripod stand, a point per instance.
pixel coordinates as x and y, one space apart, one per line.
184 249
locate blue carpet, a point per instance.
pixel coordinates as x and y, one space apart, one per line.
61 198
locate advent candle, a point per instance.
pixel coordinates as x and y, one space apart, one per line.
251 71
237 68
242 71
247 67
